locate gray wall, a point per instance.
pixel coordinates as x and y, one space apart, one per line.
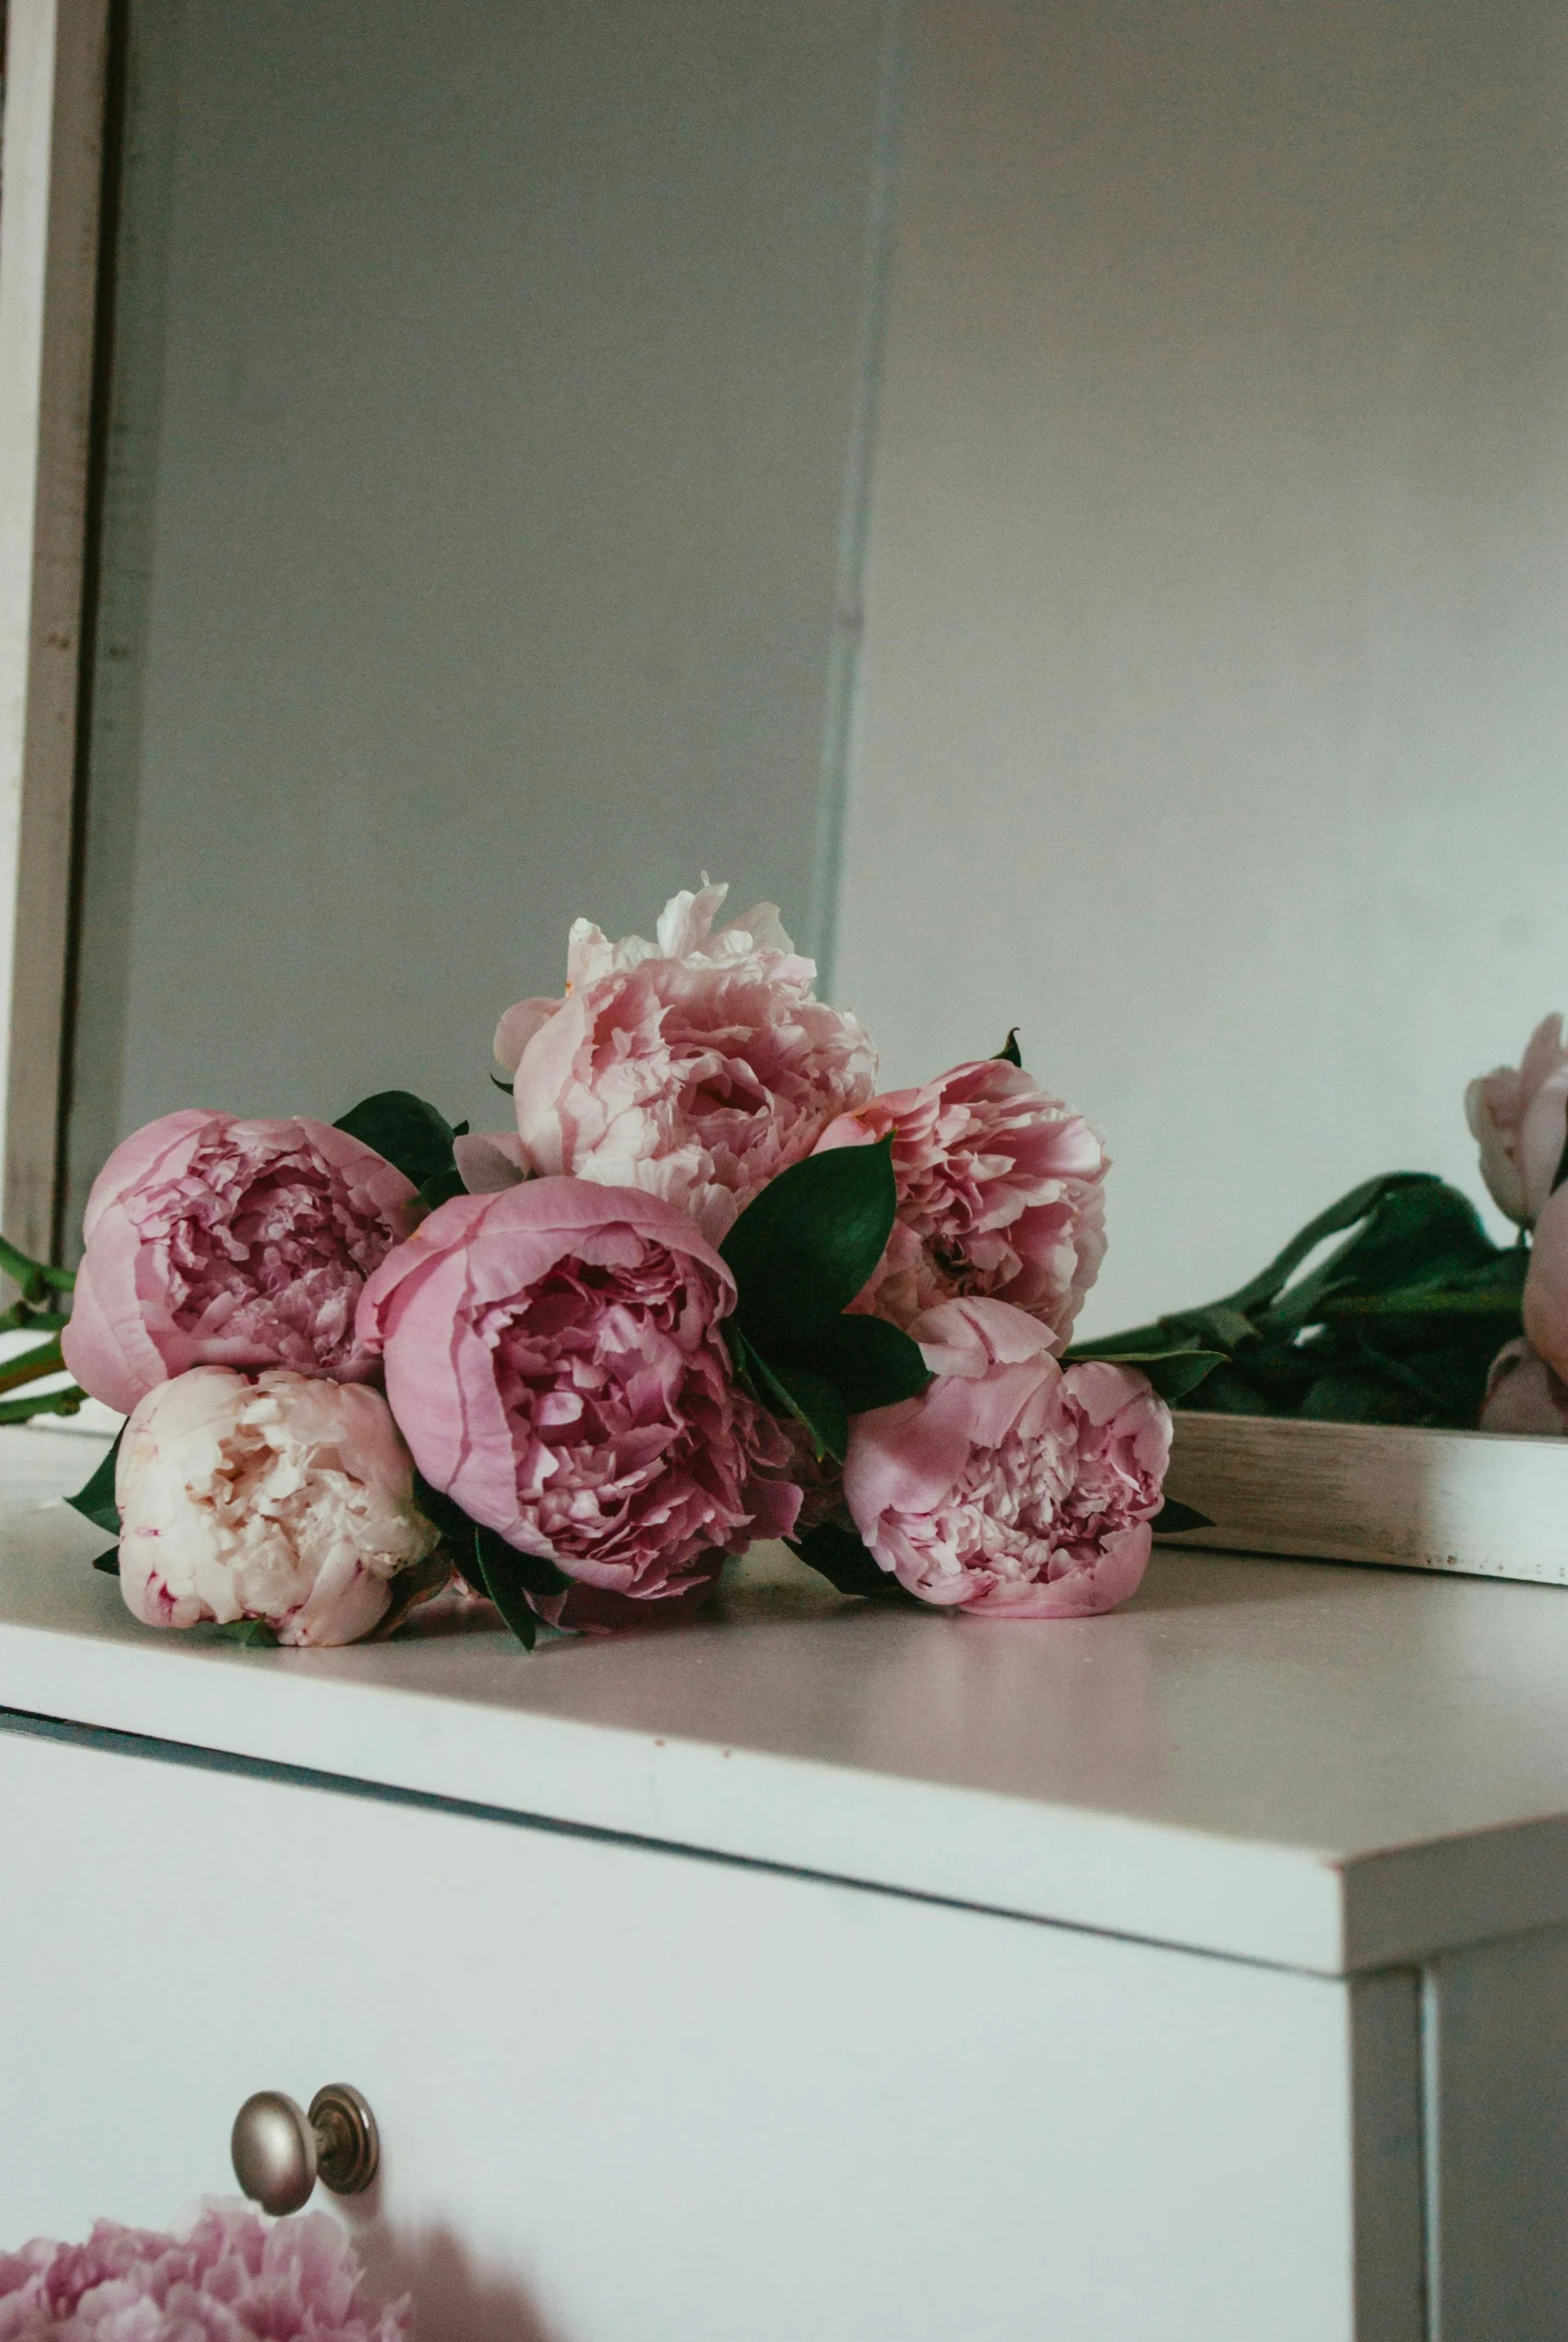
1215 680
491 398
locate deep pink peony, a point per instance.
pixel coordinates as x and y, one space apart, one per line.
1519 1116
223 2275
212 1240
1001 1192
1013 1488
555 1358
693 1068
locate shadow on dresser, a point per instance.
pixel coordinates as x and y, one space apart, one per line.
454 2299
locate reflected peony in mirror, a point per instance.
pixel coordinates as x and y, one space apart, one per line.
1414 1316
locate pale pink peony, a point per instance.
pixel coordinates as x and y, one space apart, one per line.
1519 1114
1523 1395
1001 1192
693 1068
489 1160
223 2275
288 1498
554 1353
1545 1300
212 1240
1012 1487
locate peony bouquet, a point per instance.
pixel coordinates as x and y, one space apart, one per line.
711 1287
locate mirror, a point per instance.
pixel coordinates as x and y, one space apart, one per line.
1070 501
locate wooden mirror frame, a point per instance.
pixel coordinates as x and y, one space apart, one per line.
59 79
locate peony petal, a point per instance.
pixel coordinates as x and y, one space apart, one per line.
490 1160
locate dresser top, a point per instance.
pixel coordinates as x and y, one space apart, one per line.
1325 1767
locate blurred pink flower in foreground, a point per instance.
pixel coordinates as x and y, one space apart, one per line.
1001 1192
212 1240
223 2275
1013 1488
693 1068
1519 1116
288 1500
556 1356
1546 1284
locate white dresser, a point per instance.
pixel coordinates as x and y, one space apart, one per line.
819 1973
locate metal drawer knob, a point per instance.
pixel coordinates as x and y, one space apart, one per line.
279 2152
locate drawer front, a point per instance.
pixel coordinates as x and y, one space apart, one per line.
629 2095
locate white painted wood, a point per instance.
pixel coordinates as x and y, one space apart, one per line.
1337 1770
1481 1503
627 2096
49 202
1389 2159
1497 2064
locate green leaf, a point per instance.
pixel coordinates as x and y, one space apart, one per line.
868 1362
252 1634
838 1555
1434 1308
108 1561
95 1502
810 1398
442 1188
1173 1518
502 1582
1347 1213
1008 1052
1422 1232
530 1569
447 1515
406 1129
489 1564
803 1248
1173 1372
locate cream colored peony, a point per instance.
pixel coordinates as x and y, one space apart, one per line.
288 1498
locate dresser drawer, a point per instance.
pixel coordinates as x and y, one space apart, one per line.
632 2096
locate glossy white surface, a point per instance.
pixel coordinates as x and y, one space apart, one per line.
1327 1768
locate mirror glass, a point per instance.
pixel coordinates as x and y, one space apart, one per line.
1070 501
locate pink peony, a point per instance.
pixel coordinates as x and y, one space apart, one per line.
223 2275
288 1500
694 1068
1523 1395
1013 1488
1520 1117
1001 1192
215 1240
554 1353
1546 1284
489 1160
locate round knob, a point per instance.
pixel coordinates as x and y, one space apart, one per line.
279 2151
274 2151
